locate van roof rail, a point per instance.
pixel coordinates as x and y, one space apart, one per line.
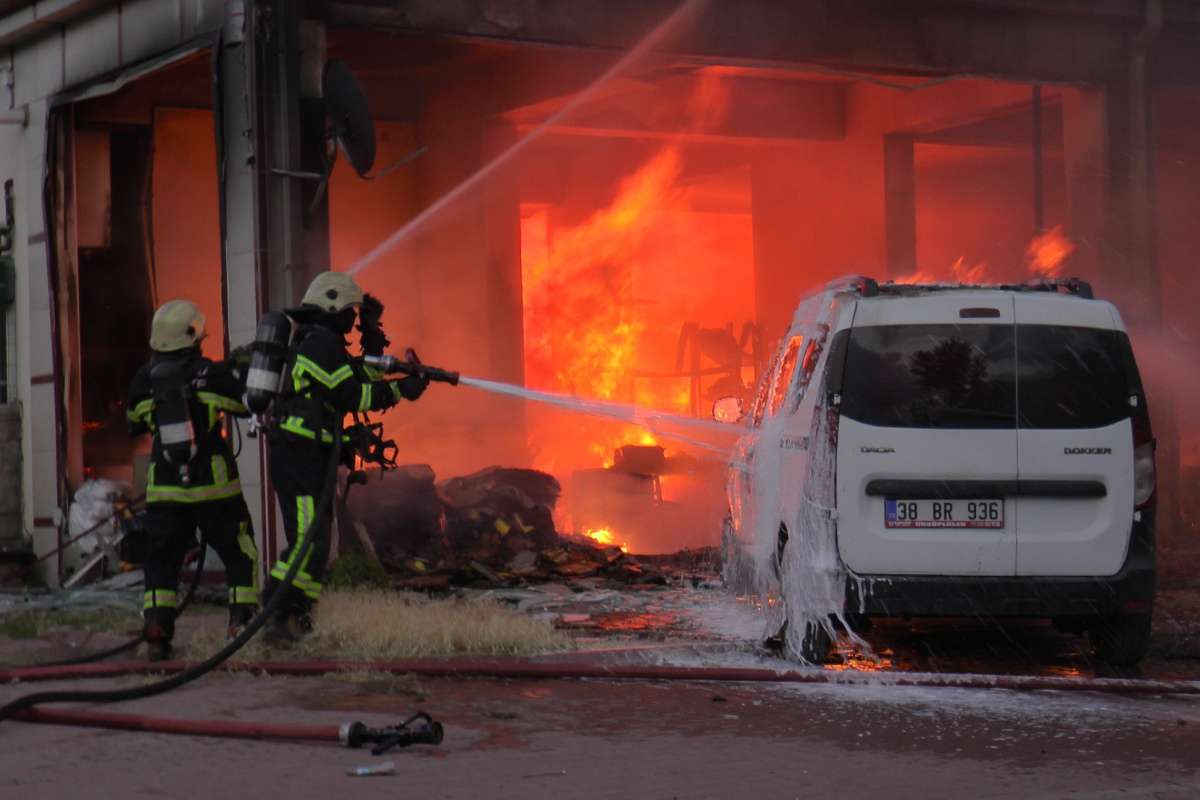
868 287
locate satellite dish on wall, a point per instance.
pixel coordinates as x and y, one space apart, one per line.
346 107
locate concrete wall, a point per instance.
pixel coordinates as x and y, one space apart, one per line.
47 59
12 536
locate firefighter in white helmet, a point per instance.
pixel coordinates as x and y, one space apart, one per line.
322 383
181 398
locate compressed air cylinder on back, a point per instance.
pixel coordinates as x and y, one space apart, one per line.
267 361
172 413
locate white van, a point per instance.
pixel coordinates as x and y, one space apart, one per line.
984 451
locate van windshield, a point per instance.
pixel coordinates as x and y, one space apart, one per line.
931 376
963 376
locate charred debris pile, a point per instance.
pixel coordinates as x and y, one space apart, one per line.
493 528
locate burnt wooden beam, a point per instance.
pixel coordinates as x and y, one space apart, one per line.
1018 41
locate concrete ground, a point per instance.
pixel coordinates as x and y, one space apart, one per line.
539 738
533 739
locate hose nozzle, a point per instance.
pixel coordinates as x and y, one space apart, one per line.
410 365
427 731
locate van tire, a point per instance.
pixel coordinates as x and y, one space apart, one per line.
737 567
815 644
1122 639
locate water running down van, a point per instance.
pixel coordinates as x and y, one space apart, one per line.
987 450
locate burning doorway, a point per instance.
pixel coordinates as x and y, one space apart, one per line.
138 225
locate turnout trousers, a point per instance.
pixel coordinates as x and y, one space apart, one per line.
298 474
171 529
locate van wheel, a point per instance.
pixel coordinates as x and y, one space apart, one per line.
816 644
737 569
780 545
1122 640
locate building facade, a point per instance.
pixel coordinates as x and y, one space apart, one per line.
158 148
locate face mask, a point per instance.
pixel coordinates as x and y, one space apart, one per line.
345 319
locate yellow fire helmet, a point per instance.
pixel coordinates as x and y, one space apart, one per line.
177 325
333 292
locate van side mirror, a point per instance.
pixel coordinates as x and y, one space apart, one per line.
728 409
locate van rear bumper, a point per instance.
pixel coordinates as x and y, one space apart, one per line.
1131 590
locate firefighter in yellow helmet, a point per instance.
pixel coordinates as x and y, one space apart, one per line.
322 383
181 398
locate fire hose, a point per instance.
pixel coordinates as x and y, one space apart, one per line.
212 662
420 728
560 670
399 735
132 644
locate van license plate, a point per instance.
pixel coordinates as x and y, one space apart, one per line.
943 513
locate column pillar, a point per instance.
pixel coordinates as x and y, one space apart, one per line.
900 204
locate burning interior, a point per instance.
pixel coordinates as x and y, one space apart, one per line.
647 248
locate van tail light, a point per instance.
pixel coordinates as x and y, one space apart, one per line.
1144 446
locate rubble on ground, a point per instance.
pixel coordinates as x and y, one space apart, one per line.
493 528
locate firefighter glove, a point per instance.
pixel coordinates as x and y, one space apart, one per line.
373 340
412 387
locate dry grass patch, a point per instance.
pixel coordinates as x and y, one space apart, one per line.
366 624
385 624
38 623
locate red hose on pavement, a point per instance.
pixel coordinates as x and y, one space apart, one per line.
511 668
193 727
420 728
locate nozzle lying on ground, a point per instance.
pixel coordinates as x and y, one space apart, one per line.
410 365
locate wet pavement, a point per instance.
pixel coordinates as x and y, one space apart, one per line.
536 738
708 621
551 739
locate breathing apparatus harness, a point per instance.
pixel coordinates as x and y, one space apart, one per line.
266 388
171 379
174 384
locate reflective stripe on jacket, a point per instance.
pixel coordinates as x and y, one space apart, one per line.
212 474
325 384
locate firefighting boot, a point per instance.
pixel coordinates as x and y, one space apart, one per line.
159 650
284 630
291 624
158 638
240 615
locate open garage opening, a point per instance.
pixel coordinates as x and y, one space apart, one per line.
651 246
138 225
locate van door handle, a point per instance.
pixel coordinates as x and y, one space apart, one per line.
1061 488
975 490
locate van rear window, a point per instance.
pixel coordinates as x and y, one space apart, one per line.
963 376
1073 377
931 376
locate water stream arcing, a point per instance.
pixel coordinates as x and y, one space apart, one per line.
648 43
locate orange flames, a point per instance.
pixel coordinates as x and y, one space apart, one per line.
605 538
1044 258
1047 253
582 334
607 298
